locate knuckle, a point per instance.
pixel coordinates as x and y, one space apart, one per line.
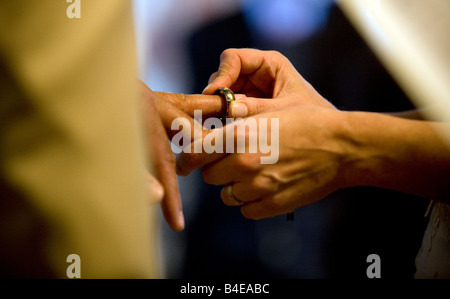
182 101
277 54
274 52
265 184
225 54
247 163
278 57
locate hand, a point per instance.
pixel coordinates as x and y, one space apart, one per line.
311 156
322 150
162 182
266 78
272 78
266 74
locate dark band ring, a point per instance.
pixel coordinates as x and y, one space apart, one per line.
227 94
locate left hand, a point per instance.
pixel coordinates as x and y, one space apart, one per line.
162 163
160 109
311 155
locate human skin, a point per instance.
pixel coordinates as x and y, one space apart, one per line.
321 149
159 110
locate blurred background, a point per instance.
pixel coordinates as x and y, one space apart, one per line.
179 45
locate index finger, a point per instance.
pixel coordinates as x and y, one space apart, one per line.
163 166
235 63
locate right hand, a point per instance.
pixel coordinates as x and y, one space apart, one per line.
267 79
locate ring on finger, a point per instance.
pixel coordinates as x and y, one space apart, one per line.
231 196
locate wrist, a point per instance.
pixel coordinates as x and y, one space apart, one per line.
393 153
367 153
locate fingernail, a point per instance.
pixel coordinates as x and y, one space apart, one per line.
238 109
209 85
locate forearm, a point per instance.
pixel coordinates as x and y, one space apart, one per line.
393 153
430 113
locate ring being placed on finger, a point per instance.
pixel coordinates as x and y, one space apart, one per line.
231 196
228 95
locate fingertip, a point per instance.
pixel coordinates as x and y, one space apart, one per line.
182 168
246 212
223 195
178 169
253 211
173 213
179 225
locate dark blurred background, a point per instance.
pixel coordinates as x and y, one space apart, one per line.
329 239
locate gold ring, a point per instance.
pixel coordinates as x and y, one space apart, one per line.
231 196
